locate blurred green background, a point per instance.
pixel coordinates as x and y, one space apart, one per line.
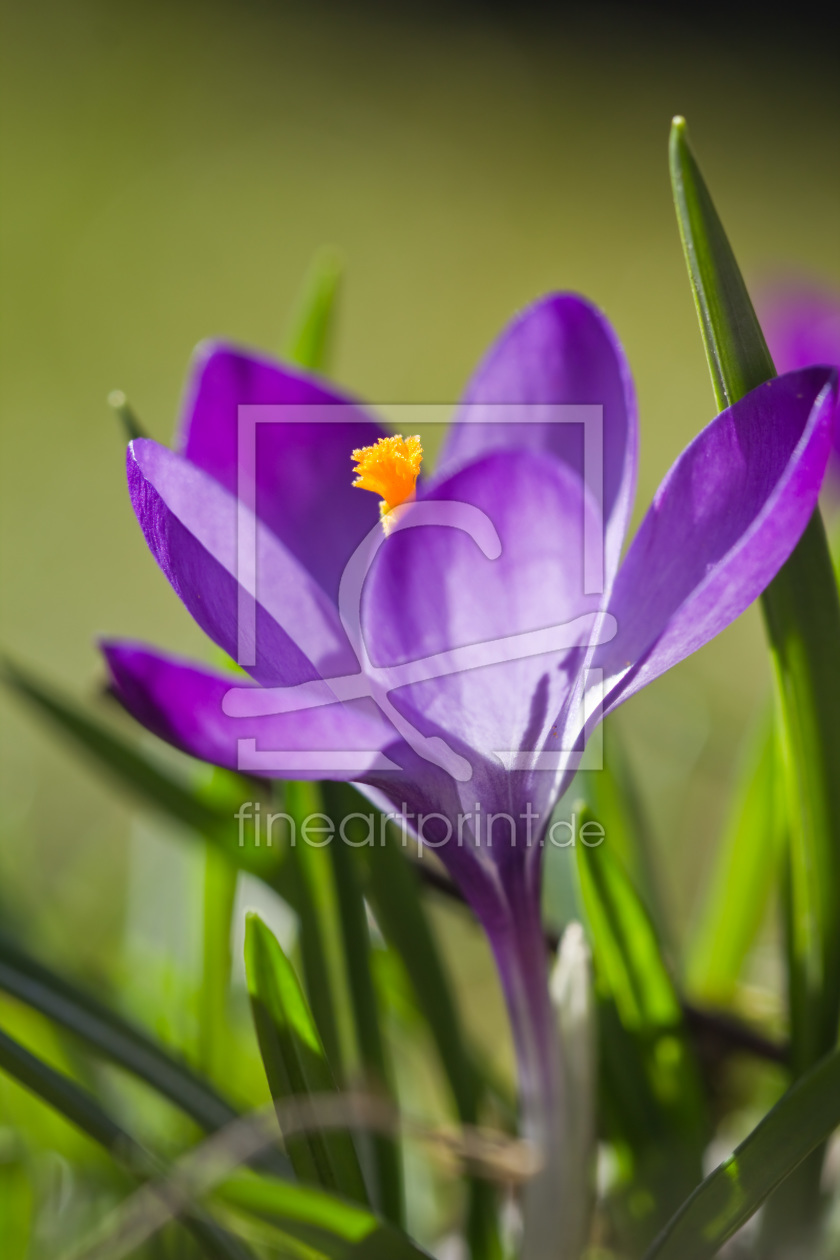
169 169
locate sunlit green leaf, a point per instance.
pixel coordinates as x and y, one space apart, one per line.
117 1039
295 1062
747 866
612 795
340 803
803 1119
737 352
802 616
333 1225
651 1091
394 892
218 904
83 1110
307 342
308 884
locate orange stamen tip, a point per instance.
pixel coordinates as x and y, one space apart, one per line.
389 468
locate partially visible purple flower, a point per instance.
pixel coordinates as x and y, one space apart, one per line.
722 523
801 321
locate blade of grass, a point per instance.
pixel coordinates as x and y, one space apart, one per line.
333 1225
799 1123
308 884
82 1109
613 796
126 415
307 1223
307 341
219 897
747 865
650 1083
340 804
118 1040
394 892
802 618
295 1062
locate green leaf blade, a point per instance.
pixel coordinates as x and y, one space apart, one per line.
295 1062
338 1229
308 884
737 352
340 803
84 1111
803 1119
651 1089
747 864
394 892
307 342
117 1039
802 617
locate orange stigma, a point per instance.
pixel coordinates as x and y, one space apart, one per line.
389 468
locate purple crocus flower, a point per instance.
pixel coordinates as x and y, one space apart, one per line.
484 579
801 321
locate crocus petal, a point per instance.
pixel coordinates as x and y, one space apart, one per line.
508 621
723 522
182 703
192 526
560 350
802 325
304 490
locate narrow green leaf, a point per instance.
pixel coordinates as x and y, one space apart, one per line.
307 1212
340 803
628 960
613 797
110 1034
214 819
86 1113
747 865
219 898
737 352
802 617
802 614
799 1123
73 1102
125 413
314 1216
395 894
295 1062
308 884
118 1040
652 1093
308 338
393 890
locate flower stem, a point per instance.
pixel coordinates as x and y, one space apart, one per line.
520 953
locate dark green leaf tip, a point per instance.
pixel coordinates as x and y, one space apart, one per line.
735 347
118 403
